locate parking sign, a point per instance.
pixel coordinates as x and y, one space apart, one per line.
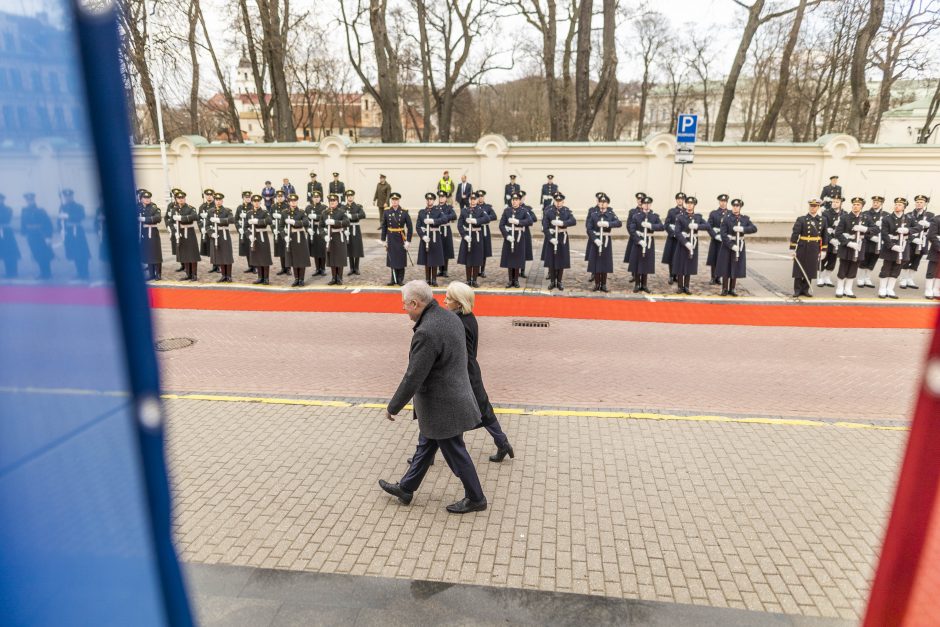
686 128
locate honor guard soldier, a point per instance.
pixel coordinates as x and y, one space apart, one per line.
317 234
470 226
487 230
932 287
872 243
851 232
447 232
592 209
920 221
259 240
896 235
187 251
204 208
171 226
312 186
830 191
36 226
556 251
337 187
685 258
832 216
446 185
731 264
631 242
334 223
278 211
511 188
669 248
396 233
599 226
72 224
549 189
808 244
527 233
241 224
715 218
511 224
355 248
221 253
296 243
9 249
151 248
431 247
642 260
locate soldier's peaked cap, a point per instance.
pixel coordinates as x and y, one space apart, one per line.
722 196
246 194
922 197
878 198
208 191
901 200
395 196
737 202
858 199
350 192
293 197
640 195
603 198
680 195
516 196
333 197
179 194
218 195
256 198
559 196
429 196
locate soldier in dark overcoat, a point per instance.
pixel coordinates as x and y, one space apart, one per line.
429 225
896 233
397 232
690 226
556 249
297 244
356 214
221 253
447 232
732 258
851 231
241 225
669 247
316 232
9 249
807 245
511 226
71 224
187 221
259 240
151 247
599 226
470 225
643 255
715 218
334 223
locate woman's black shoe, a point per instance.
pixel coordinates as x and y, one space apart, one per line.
501 454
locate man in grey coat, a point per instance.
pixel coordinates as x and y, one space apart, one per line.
444 404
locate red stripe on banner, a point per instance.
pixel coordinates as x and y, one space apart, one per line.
509 305
907 580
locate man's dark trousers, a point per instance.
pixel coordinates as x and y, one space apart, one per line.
455 454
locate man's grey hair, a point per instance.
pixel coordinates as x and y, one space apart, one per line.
417 290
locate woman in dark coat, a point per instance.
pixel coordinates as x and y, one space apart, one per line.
459 299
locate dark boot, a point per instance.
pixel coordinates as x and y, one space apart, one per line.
724 286
501 454
558 275
731 291
339 276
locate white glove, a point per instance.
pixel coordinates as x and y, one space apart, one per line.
603 224
822 255
897 248
642 243
176 217
860 228
426 239
597 242
471 220
735 248
406 244
689 246
466 238
853 245
429 221
214 220
141 218
924 223
509 239
557 223
276 215
330 221
717 238
672 227
903 230
737 228
553 241
252 220
214 236
646 224
873 238
693 226
513 220
290 221
830 230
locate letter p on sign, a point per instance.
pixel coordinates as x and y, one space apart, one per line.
686 128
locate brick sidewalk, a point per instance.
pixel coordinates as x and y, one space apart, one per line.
768 518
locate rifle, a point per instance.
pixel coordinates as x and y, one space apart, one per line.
902 241
557 219
251 236
738 240
858 240
512 234
647 236
693 236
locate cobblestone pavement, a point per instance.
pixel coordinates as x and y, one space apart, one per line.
762 517
856 374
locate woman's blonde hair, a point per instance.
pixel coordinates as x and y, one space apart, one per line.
462 294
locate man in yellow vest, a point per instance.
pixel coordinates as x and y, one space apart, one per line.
446 185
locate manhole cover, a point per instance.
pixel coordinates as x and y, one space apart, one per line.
539 324
173 343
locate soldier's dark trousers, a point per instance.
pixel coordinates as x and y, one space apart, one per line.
457 458
191 271
45 269
442 271
320 263
483 268
354 265
914 263
81 268
847 269
800 286
155 271
890 269
430 275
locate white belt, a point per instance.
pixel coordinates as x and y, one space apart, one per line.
150 228
186 227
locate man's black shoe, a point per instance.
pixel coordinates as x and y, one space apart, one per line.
465 506
396 490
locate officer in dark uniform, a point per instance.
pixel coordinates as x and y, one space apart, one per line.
715 218
334 223
187 251
429 224
487 230
511 225
599 226
36 226
297 244
832 215
808 244
932 287
151 247
549 189
72 222
896 233
447 232
9 249
470 226
872 242
642 261
241 224
204 208
278 209
920 219
220 237
314 185
851 231
259 240
556 250
689 228
669 248
527 233
355 248
317 234
732 257
511 188
171 226
337 187
396 233
631 242
830 191
592 209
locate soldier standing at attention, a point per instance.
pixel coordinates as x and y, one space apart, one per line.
556 251
715 218
355 248
732 258
470 225
337 187
513 221
920 219
241 224
807 246
431 246
643 255
396 233
186 218
314 186
278 211
669 248
600 243
447 233
220 238
317 234
151 248
689 226
830 191
549 189
72 222
171 225
297 242
36 227
631 241
832 215
511 188
382 195
873 242
851 232
896 248
259 238
204 208
9 249
334 223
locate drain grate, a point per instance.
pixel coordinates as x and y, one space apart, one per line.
174 343
538 324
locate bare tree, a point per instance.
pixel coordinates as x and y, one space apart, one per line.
700 61
258 70
783 78
923 135
587 103
231 112
192 20
651 31
275 20
859 102
134 22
